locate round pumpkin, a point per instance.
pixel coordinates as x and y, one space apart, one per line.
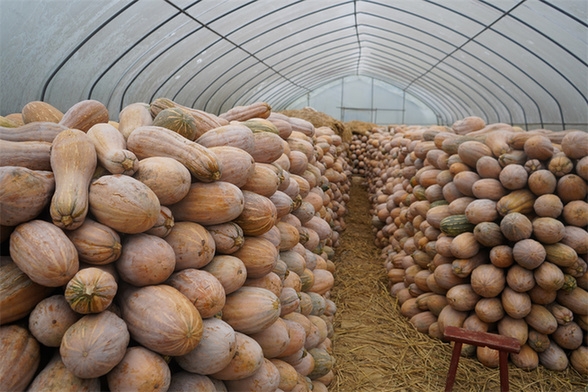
229 270
139 369
91 290
192 244
94 345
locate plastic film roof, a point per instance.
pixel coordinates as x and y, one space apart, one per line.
515 61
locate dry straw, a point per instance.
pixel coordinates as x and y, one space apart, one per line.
377 350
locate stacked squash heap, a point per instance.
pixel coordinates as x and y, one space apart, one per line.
484 227
172 249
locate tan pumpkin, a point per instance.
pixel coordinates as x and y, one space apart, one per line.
271 281
251 309
445 278
462 297
214 352
288 375
55 377
43 252
91 290
575 144
36 131
488 188
516 226
210 203
548 206
576 238
246 362
238 165
133 116
73 161
111 150
468 124
24 193
164 223
513 177
323 281
488 234
578 360
145 260
451 317
258 255
514 328
526 358
481 210
541 319
50 319
139 368
471 151
204 121
464 246
273 340
124 203
529 253
246 112
40 111
264 181
94 344
192 245
85 114
268 147
167 178
489 310
18 293
575 300
96 243
21 356
538 147
571 187
229 270
150 141
174 327
548 230
202 288
34 155
233 135
258 215
228 237
554 358
516 305
576 213
488 280
520 279
285 205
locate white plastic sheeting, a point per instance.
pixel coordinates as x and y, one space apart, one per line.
515 61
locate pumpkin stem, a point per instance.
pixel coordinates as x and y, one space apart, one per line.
66 220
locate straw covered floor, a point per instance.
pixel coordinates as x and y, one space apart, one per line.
375 347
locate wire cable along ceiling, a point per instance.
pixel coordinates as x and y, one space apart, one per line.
521 62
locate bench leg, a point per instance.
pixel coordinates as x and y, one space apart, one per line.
453 366
503 361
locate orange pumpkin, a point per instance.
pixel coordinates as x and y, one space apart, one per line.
201 288
139 368
251 309
21 356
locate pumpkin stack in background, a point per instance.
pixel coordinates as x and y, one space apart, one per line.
172 249
484 227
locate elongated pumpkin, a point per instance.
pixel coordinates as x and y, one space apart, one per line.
18 293
33 154
21 355
123 203
55 377
150 141
233 135
40 111
204 121
251 309
161 318
133 116
43 252
246 112
36 131
84 114
111 150
210 203
24 193
96 243
140 369
73 161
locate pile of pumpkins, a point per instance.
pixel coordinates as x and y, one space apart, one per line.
172 249
484 227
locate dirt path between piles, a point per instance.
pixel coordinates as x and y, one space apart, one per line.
377 350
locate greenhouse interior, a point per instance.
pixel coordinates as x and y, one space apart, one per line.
294 195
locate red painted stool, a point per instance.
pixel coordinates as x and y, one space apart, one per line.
503 344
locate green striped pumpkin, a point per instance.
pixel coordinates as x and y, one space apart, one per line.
261 125
177 120
454 225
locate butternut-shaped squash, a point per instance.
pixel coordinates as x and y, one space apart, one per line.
243 113
73 161
150 141
36 131
111 150
33 155
133 116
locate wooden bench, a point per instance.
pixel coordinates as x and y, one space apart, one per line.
503 344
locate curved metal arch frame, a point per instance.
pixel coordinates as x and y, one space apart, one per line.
359 58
